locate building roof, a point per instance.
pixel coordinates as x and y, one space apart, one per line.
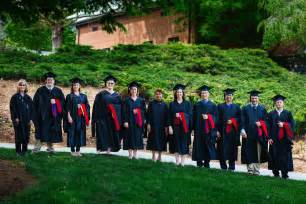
84 18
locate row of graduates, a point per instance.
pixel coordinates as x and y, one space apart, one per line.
264 136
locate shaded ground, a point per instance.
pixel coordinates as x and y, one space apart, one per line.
8 88
13 178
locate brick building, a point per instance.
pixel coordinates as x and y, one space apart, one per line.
153 27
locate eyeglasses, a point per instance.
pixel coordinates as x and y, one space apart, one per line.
110 83
22 85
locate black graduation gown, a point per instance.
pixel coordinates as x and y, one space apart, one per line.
204 144
21 107
158 119
249 117
179 142
133 135
103 125
47 127
281 150
227 145
76 131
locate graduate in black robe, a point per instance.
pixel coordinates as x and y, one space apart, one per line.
229 116
49 103
205 129
78 116
21 108
180 124
157 124
282 127
254 132
106 117
133 115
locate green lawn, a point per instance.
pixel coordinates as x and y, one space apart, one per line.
112 179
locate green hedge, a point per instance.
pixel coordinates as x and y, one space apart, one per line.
161 66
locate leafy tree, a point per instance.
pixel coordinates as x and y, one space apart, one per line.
285 24
34 37
229 23
55 13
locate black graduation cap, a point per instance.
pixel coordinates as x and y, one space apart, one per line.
229 91
134 84
49 75
179 86
110 77
76 80
204 88
254 93
278 97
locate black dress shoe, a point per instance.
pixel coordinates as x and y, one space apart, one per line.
285 176
199 163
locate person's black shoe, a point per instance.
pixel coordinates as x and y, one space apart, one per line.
276 173
199 163
231 167
285 176
223 167
206 165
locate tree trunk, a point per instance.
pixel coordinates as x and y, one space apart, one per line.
57 36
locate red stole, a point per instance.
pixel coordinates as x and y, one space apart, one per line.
82 111
286 127
262 129
209 123
56 108
113 112
234 124
138 117
181 119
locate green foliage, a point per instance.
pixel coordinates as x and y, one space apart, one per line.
34 37
286 22
162 66
112 179
69 36
55 13
222 22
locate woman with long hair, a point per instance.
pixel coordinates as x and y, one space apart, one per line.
133 120
78 116
22 114
180 123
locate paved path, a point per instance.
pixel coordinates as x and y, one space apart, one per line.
165 158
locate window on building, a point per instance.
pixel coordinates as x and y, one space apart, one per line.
174 39
94 28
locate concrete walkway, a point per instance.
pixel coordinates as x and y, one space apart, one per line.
165 158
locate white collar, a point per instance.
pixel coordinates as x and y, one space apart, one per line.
279 111
50 88
252 105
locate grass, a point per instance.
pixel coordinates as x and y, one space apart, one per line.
162 66
112 179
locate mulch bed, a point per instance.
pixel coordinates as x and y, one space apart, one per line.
13 178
